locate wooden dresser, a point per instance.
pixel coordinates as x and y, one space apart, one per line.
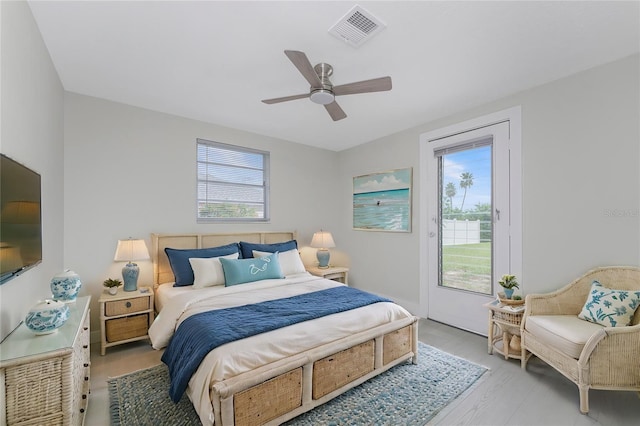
45 379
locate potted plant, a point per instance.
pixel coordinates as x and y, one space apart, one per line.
112 285
509 283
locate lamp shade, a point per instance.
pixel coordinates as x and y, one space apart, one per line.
131 249
322 239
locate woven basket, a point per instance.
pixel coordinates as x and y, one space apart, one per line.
509 302
396 344
337 370
126 327
512 318
122 307
257 405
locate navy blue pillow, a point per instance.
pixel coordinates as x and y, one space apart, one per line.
247 248
179 260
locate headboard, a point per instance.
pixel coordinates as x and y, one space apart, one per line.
162 272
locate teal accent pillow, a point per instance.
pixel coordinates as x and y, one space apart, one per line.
240 271
608 307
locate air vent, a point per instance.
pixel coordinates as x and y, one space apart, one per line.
357 26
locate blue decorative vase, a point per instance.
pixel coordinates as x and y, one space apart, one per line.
323 256
130 273
65 286
47 316
508 293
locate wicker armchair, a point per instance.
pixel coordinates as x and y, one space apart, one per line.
594 356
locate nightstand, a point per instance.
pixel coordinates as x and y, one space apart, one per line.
504 326
336 273
125 317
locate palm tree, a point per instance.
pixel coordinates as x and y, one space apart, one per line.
450 191
466 181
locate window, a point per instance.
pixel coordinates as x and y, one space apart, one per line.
465 225
233 183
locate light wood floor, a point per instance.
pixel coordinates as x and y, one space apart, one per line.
505 395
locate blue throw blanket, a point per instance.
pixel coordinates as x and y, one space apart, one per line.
199 334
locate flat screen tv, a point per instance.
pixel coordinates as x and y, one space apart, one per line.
20 219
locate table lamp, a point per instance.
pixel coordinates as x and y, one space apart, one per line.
127 251
322 241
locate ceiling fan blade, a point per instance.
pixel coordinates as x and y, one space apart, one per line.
301 62
285 99
374 85
335 111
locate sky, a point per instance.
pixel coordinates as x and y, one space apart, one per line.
477 161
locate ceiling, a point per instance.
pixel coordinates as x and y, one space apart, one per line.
215 61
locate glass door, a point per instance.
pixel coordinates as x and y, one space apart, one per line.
468 229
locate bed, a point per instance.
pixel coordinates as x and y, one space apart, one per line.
278 374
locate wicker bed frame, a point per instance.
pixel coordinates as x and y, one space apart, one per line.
279 391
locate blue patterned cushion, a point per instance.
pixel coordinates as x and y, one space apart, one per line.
608 307
247 248
240 271
179 260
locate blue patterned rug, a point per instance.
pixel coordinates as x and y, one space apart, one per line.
404 395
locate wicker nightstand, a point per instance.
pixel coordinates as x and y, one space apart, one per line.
336 273
125 317
504 324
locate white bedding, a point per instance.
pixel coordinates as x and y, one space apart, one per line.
167 291
237 357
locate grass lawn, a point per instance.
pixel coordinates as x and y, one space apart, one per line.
467 266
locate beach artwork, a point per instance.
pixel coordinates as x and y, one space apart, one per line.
382 201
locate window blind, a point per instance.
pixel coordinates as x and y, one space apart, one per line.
450 149
232 183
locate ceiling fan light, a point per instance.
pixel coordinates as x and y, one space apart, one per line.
322 96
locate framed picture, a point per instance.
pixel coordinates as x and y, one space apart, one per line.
382 201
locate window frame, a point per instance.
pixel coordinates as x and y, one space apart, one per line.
265 182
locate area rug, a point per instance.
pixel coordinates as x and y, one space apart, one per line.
407 394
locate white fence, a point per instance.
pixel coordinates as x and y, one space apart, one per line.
460 232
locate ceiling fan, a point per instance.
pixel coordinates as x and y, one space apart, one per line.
322 91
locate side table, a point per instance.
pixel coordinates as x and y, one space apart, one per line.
125 317
504 324
336 273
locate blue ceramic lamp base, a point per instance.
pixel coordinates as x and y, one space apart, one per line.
130 273
323 258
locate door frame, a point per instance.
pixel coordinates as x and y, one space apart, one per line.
513 116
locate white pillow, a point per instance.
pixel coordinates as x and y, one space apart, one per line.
207 271
290 262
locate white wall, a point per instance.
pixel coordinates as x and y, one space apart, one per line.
382 262
580 151
32 134
132 172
